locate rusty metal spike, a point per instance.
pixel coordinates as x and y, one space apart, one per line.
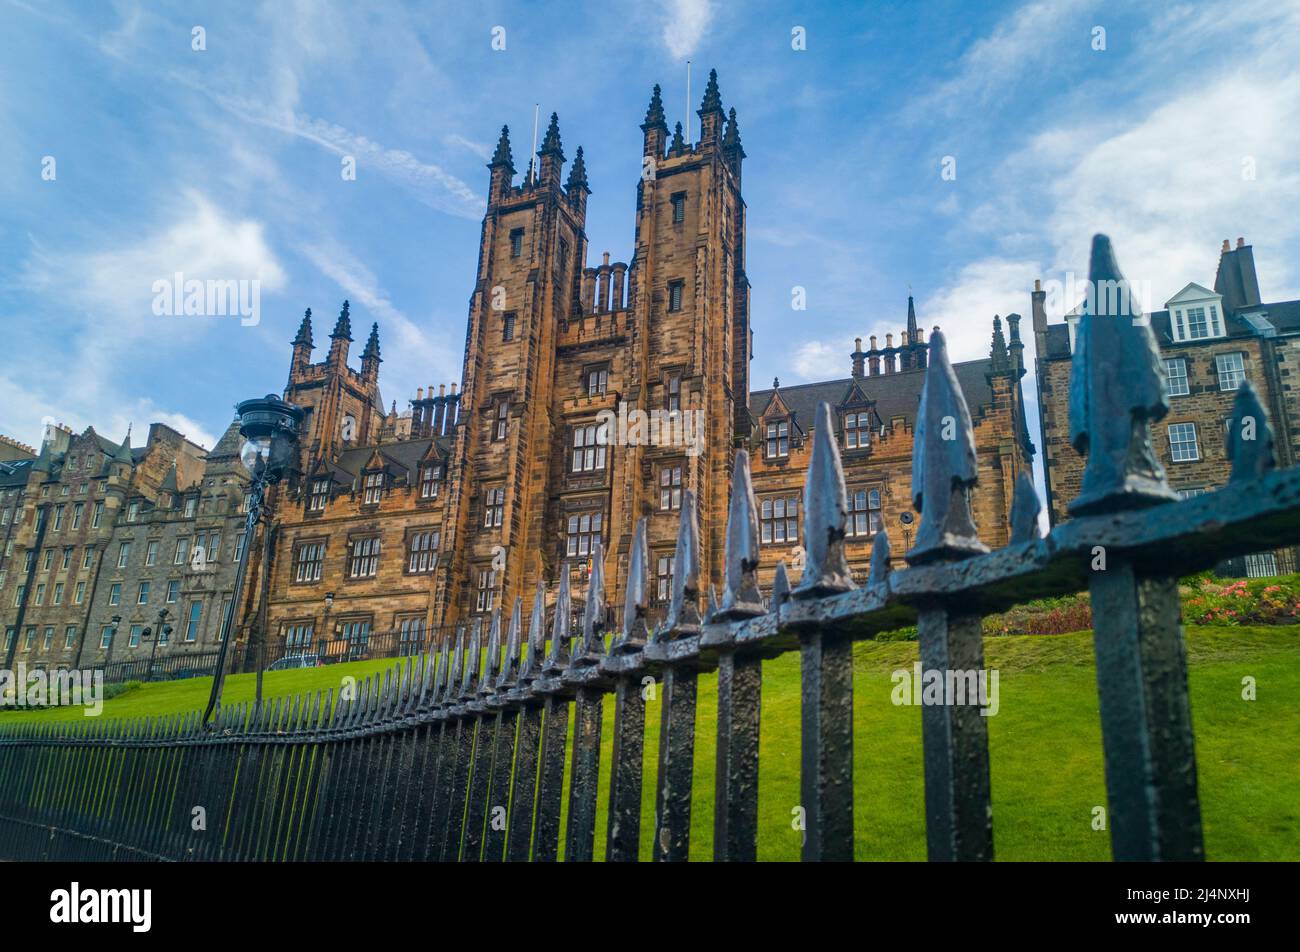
636 595
780 589
510 667
741 597
536 636
469 683
559 656
684 607
593 615
1025 508
943 465
1250 437
492 665
1117 389
825 509
879 559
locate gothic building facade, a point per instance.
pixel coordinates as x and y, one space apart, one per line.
592 396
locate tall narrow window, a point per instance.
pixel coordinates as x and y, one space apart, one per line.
503 418
679 208
320 494
182 554
374 489
123 553
58 518
311 558
410 635
508 327
423 551
778 439
1176 376
1231 369
69 636
1182 442
133 512
589 447
115 594
191 506
674 392
192 623
151 553
516 242
98 516
77 511
778 520
430 477
485 595
675 295
365 558
597 381
494 507
864 513
142 594
670 488
663 579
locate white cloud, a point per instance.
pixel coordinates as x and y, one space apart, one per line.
684 26
818 360
964 309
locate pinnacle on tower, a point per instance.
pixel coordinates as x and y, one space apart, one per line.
678 143
551 144
654 116
343 327
304 331
578 174
911 320
123 454
372 345
502 157
731 138
998 352
712 98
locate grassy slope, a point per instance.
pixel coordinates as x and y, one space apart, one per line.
1045 746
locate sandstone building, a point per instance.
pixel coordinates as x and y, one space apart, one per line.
1212 340
396 527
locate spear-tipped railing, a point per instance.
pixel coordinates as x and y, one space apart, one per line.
462 755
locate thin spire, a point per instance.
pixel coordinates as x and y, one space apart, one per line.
678 144
551 144
304 331
343 327
911 320
654 116
372 345
502 157
825 510
578 174
1000 360
731 138
712 98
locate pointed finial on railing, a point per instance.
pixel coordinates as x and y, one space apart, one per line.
593 613
457 661
441 678
740 597
1117 389
469 683
491 666
510 667
825 509
879 559
711 606
636 600
780 589
536 636
943 465
1025 508
559 656
1250 436
684 607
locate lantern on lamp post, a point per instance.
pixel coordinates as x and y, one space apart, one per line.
269 427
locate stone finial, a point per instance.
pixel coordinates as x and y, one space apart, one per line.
371 353
578 174
343 326
712 101
502 157
654 115
303 338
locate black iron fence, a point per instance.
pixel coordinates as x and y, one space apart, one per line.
460 755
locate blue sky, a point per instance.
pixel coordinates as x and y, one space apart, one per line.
226 162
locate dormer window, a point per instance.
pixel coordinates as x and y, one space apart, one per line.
191 505
430 477
1195 313
374 489
778 440
320 494
857 430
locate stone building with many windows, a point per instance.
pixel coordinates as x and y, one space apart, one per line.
1211 341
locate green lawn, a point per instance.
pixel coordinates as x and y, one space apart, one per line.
1045 746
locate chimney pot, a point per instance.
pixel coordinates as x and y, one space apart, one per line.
442 389
419 393
1225 244
453 390
606 257
857 343
1241 242
1038 284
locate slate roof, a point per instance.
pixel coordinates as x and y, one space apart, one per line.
404 456
1283 315
897 394
13 473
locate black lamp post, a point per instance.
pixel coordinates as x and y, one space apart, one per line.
112 637
269 427
163 630
323 639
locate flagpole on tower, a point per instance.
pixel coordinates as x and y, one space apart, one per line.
686 126
532 155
